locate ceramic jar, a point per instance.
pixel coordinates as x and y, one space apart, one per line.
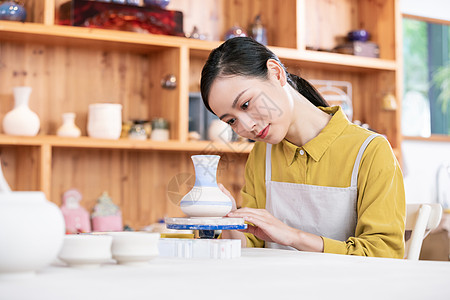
68 128
21 120
105 120
205 199
12 11
220 132
31 233
160 130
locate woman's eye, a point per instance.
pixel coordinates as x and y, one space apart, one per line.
231 121
244 106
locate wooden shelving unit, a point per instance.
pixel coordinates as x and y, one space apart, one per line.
72 67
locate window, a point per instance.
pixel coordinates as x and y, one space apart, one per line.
426 99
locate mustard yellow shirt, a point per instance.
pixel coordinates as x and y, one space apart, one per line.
329 161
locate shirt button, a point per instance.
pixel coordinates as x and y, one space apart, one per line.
301 152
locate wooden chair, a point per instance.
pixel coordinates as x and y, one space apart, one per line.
420 220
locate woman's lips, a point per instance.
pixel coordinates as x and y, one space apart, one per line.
263 133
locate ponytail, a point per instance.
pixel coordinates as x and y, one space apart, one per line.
306 89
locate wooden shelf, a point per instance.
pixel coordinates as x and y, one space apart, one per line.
87 142
339 61
432 138
80 36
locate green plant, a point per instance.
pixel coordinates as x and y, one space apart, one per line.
441 79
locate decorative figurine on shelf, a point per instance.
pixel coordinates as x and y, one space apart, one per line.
195 34
137 130
258 32
235 31
75 216
106 216
12 11
389 102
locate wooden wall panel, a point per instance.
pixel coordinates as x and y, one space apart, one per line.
279 20
328 21
163 102
378 17
195 70
377 86
202 14
68 79
36 10
20 167
220 15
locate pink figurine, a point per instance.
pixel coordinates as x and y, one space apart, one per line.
75 216
106 216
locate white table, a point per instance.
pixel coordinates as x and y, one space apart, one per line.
259 273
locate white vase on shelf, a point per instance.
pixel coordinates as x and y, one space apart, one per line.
68 128
21 120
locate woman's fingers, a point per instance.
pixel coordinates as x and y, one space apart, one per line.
245 211
265 226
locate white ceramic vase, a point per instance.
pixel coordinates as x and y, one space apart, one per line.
68 128
31 233
220 132
205 199
21 120
105 120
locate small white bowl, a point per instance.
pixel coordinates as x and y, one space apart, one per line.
134 248
86 250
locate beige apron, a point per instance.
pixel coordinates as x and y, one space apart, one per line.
321 210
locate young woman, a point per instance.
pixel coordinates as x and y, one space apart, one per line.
313 181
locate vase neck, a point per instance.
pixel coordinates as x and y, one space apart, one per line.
205 170
21 96
68 119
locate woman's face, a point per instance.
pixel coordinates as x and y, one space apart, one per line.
256 109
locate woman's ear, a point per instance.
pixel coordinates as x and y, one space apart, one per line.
276 71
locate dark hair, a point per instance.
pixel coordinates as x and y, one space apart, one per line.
243 56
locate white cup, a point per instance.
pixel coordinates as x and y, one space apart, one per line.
134 248
105 120
86 250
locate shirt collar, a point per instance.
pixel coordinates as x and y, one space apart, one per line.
318 145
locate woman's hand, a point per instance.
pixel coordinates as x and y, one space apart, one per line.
266 227
226 192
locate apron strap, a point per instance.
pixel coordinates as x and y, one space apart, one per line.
354 181
268 162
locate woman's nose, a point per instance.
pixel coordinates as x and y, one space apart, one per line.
246 123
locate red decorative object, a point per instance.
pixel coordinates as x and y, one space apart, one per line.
94 14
